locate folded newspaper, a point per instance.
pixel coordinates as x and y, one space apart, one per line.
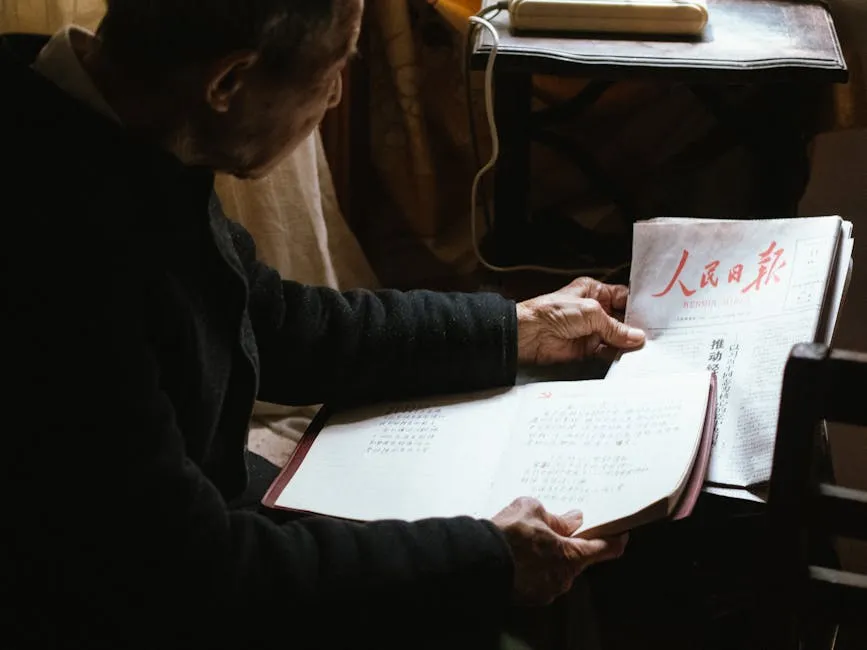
734 297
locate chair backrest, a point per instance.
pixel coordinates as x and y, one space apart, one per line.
804 511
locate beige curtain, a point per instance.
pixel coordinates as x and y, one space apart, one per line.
46 16
294 217
292 214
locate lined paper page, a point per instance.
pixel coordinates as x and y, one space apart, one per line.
607 448
421 459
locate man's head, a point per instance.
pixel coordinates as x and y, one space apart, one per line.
240 82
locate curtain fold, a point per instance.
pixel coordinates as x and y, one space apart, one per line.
46 16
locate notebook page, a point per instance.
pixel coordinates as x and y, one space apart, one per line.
607 448
733 297
417 460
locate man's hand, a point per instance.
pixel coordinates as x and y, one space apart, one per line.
573 323
547 560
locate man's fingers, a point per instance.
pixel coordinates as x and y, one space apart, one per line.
617 546
615 333
593 551
565 525
582 286
619 296
607 353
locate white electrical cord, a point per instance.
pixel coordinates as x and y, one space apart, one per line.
480 21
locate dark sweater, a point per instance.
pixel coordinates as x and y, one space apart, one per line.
139 328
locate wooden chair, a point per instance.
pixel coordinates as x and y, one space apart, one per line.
809 596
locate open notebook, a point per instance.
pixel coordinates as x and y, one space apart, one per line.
626 453
735 297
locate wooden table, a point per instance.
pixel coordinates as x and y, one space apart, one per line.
785 52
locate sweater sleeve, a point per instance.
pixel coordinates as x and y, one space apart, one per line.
319 345
119 540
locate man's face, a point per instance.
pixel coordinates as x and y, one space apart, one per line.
262 119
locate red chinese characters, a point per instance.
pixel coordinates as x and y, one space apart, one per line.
770 263
676 278
735 273
709 277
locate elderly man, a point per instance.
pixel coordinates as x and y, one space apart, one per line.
140 329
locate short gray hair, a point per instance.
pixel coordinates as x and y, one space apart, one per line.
295 38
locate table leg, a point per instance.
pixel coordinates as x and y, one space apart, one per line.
776 125
512 106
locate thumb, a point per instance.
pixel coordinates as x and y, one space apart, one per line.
618 334
594 551
565 525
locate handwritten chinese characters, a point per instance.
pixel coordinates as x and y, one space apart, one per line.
406 430
612 425
574 478
770 263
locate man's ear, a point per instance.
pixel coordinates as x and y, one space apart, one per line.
226 78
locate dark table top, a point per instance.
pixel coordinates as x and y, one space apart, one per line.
745 41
